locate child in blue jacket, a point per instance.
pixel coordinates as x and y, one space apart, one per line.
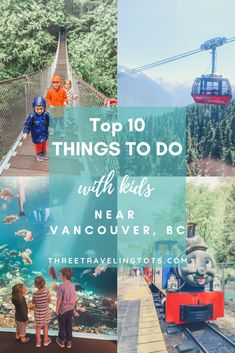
37 123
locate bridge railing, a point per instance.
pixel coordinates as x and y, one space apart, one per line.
16 96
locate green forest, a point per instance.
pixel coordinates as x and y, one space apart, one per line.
212 207
29 32
209 140
210 136
166 127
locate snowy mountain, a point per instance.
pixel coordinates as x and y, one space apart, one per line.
138 89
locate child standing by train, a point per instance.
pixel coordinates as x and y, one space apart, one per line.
21 312
37 123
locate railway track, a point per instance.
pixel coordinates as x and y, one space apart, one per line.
208 339
197 337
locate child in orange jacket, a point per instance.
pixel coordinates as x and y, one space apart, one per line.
57 97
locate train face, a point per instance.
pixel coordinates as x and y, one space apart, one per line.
190 289
200 268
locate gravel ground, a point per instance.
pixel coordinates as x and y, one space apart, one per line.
227 323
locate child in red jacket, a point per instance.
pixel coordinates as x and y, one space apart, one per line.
57 99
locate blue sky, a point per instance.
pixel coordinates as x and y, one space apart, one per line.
151 30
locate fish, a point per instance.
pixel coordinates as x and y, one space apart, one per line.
86 273
27 234
21 195
3 246
52 273
29 237
6 194
25 257
79 287
27 260
10 219
99 269
13 253
37 273
22 232
91 253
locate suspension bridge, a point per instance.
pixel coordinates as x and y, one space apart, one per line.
17 156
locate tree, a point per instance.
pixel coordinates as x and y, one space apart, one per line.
93 45
28 42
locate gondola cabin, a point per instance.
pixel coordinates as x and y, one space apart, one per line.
212 89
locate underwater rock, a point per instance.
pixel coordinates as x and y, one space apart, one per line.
5 308
54 286
79 299
4 253
4 290
15 281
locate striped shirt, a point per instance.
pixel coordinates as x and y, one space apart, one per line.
70 96
41 312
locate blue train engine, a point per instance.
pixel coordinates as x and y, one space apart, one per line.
190 291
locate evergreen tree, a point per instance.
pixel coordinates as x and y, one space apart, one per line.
217 150
229 157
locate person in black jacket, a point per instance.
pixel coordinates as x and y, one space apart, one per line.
21 312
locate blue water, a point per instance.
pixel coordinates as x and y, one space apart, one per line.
37 221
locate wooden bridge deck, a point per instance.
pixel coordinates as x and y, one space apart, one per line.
24 162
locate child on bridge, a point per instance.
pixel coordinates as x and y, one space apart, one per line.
71 96
57 99
37 123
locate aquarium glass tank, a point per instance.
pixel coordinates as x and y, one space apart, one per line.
24 252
